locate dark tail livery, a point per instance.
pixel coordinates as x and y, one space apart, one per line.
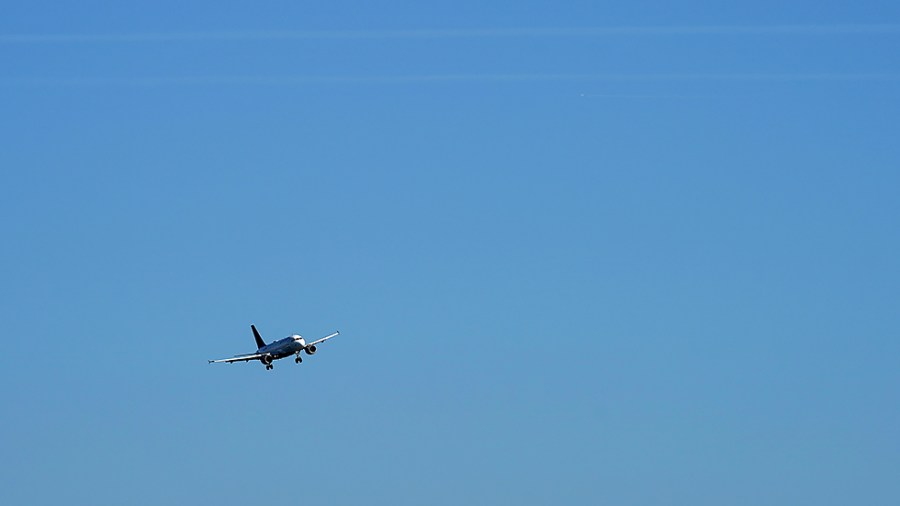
259 342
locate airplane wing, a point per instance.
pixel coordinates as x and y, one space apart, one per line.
238 358
323 339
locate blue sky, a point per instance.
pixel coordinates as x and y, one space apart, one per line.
633 253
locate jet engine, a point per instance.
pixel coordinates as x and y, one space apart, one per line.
310 350
266 359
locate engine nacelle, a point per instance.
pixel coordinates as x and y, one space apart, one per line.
310 350
266 359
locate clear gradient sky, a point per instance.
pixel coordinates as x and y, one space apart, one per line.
632 253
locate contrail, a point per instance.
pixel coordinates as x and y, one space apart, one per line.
274 35
433 78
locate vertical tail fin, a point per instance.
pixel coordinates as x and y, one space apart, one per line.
259 342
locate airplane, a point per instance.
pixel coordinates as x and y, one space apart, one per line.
267 353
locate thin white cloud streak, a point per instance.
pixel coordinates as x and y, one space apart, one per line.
275 35
435 78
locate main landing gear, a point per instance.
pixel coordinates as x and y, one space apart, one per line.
269 367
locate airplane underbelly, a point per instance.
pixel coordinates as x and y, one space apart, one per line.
287 351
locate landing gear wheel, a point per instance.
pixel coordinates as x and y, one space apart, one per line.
298 360
269 367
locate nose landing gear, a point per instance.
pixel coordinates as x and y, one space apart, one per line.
298 359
